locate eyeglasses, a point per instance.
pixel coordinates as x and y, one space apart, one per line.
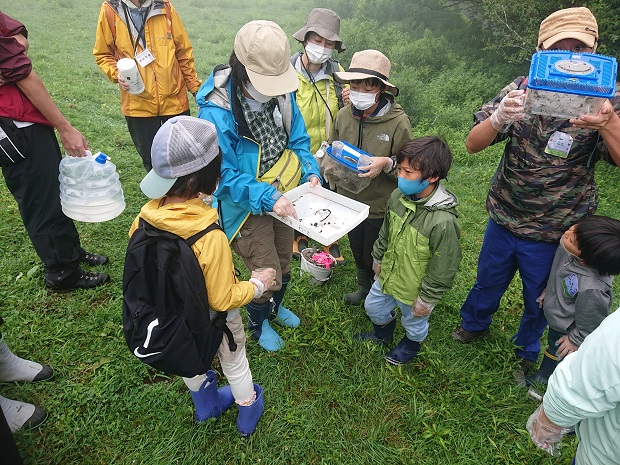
581 49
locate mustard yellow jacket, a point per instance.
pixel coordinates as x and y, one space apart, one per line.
167 78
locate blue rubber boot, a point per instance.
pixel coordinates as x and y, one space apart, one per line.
259 327
210 401
382 333
404 352
249 415
283 315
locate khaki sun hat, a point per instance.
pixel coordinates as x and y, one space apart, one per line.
325 23
263 48
368 64
571 23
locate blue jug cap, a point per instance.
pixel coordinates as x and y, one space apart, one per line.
101 158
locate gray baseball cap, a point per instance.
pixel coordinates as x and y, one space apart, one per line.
182 146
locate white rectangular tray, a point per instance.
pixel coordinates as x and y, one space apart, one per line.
323 215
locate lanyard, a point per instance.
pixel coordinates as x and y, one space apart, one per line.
141 31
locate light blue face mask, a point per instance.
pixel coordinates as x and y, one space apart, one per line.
409 187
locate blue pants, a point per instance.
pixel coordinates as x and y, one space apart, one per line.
379 308
501 255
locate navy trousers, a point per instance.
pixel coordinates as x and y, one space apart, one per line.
501 256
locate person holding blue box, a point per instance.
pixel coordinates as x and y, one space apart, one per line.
543 185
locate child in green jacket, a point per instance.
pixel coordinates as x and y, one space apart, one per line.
418 252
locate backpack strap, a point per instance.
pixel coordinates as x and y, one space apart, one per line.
110 14
332 67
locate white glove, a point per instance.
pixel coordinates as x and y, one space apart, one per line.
263 279
544 433
422 308
510 109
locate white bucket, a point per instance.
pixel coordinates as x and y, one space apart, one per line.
128 69
319 273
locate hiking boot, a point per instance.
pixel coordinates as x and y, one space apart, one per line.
464 336
85 280
334 251
92 259
301 243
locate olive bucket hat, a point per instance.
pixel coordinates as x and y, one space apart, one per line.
325 23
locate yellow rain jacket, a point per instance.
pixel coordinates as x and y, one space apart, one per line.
167 77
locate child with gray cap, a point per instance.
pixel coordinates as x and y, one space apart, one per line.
186 165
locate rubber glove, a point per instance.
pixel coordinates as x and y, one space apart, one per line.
263 279
510 109
544 433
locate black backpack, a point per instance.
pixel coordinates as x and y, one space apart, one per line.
166 317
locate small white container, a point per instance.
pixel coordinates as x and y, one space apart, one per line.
128 69
324 215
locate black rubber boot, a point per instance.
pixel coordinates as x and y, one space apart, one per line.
364 281
382 333
547 367
404 352
259 327
280 313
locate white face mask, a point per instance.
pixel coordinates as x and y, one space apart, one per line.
256 95
362 100
316 54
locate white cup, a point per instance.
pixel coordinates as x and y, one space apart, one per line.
128 69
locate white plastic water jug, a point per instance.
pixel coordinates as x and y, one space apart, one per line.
90 189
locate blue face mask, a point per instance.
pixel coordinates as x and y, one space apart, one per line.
409 187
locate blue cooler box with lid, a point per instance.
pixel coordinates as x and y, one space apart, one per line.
566 84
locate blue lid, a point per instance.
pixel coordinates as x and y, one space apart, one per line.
563 71
101 158
349 157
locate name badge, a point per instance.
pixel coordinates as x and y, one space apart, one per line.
559 144
145 57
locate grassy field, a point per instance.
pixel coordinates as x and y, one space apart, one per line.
328 400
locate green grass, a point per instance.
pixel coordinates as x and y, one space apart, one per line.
328 400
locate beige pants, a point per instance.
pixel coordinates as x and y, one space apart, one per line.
235 365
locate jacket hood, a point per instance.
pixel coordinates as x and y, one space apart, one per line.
215 90
185 219
395 111
441 199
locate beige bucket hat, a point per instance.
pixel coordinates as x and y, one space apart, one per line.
571 23
368 64
263 48
325 23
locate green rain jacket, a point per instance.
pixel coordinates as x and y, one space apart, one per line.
418 246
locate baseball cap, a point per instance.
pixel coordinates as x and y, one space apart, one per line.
263 48
182 146
570 23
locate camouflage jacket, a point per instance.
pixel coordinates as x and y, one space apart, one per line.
536 195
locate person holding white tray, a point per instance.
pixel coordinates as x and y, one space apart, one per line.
266 152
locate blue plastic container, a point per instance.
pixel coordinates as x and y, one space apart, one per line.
342 169
568 84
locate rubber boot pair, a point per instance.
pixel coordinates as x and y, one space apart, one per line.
364 281
547 367
209 401
382 333
21 415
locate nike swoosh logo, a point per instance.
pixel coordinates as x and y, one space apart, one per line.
149 331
